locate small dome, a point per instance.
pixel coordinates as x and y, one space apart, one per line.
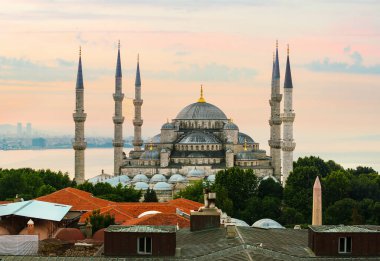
239 222
270 177
201 111
168 126
196 173
149 212
158 178
177 178
114 181
267 223
150 155
140 178
141 186
245 155
162 186
211 178
244 137
199 137
230 126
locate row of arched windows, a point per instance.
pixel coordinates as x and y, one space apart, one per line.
208 147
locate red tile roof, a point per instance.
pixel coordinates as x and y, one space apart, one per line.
114 210
160 219
5 202
78 199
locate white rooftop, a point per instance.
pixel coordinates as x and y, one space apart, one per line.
35 209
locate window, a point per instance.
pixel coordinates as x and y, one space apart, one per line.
345 245
144 245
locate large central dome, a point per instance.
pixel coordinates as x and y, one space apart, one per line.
201 111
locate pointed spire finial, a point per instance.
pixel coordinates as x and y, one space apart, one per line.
245 144
118 62
276 67
151 147
288 83
138 78
276 44
118 45
288 50
201 99
79 85
80 51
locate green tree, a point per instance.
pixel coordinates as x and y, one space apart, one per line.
271 188
336 186
86 186
150 196
298 191
322 167
342 212
99 221
45 190
192 192
291 217
102 189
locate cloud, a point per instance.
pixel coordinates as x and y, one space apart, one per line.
209 72
22 69
356 67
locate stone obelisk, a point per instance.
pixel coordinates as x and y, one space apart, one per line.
317 203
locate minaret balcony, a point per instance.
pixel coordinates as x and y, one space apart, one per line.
137 122
288 145
137 102
79 116
118 143
288 116
275 121
118 96
118 119
79 144
274 144
276 97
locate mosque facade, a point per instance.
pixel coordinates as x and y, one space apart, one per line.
200 141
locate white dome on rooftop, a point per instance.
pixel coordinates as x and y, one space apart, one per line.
149 212
267 223
141 185
162 186
176 178
140 178
158 178
196 173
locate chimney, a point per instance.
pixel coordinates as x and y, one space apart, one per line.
30 227
206 217
88 230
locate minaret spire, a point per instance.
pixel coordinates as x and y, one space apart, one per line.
288 144
137 102
275 120
79 143
118 119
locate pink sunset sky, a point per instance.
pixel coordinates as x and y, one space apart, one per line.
225 45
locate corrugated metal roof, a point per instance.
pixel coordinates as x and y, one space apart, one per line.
142 229
35 209
342 229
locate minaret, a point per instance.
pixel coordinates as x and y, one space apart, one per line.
118 119
79 143
288 144
137 102
317 203
275 119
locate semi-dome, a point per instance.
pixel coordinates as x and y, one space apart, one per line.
168 126
158 178
156 139
244 137
196 173
140 178
201 111
150 154
230 126
267 223
141 186
199 137
162 186
177 178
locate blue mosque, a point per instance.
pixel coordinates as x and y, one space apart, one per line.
200 141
